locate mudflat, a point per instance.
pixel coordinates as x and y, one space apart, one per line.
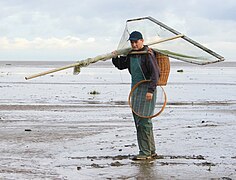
52 127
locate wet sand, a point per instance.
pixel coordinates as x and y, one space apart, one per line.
53 128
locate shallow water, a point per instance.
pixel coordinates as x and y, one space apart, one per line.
195 84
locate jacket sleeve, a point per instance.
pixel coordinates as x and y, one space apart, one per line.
121 62
154 72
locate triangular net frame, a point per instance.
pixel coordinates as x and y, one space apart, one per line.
183 48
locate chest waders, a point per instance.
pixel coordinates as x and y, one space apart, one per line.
144 126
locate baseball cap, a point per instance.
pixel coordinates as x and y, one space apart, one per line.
135 35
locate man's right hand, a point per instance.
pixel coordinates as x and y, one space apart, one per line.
114 53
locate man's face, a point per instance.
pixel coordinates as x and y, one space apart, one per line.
137 45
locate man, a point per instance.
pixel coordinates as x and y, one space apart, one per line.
141 65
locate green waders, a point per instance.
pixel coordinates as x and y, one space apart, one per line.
144 126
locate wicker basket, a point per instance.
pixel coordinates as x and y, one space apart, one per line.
164 65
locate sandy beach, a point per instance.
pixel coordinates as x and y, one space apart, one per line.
52 127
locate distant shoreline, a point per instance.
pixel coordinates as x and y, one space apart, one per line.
104 63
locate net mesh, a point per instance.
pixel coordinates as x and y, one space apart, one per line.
143 107
184 49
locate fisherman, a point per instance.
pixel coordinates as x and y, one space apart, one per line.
141 66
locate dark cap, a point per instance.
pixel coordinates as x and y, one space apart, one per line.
135 35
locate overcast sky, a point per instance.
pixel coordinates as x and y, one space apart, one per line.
70 30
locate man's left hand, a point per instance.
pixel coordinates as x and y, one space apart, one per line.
149 96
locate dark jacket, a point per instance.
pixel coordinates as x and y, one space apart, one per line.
148 64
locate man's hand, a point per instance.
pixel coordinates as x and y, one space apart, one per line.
114 53
149 96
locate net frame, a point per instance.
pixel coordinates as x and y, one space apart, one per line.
184 49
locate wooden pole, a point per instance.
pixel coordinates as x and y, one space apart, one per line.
103 57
